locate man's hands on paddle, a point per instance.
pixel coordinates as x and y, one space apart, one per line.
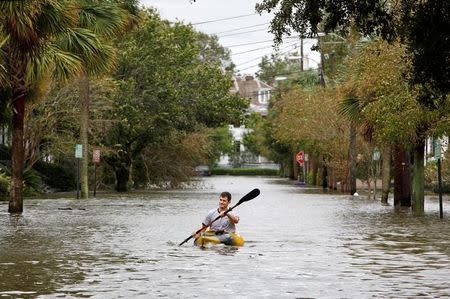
233 218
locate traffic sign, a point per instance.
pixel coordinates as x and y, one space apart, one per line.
437 149
78 151
376 154
96 156
300 158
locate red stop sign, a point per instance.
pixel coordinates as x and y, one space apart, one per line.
300 157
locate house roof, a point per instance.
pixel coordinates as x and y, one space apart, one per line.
249 87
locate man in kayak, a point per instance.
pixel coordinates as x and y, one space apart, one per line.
226 224
221 224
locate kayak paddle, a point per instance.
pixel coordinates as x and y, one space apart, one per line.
249 196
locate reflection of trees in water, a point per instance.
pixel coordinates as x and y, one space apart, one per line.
396 238
33 261
41 257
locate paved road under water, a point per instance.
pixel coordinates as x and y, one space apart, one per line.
299 243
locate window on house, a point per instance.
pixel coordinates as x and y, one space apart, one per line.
263 96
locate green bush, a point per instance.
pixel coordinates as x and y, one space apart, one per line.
33 182
245 171
431 179
4 186
60 177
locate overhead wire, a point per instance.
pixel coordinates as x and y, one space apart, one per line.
241 28
252 66
247 44
256 49
240 33
293 46
260 42
224 19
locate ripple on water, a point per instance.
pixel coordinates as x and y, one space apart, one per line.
299 243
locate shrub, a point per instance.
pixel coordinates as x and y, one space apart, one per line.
60 177
245 171
33 182
431 179
4 186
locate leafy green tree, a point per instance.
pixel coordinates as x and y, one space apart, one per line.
420 25
270 68
166 86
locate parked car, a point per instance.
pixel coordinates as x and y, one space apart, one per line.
202 170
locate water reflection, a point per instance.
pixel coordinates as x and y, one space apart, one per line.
299 243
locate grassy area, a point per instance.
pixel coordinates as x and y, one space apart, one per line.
245 171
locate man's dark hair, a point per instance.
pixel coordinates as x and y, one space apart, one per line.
226 194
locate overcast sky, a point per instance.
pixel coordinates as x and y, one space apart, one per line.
232 33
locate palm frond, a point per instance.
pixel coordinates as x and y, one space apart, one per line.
103 60
105 19
18 17
56 16
3 72
96 55
54 61
351 108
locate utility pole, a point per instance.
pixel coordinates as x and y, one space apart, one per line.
320 66
301 53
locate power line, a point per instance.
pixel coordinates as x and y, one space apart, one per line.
260 42
237 29
279 53
224 19
252 66
252 50
247 44
239 33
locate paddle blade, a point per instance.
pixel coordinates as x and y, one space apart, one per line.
249 196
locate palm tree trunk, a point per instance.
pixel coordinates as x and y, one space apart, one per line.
325 176
315 170
17 154
418 178
386 169
84 126
352 158
402 177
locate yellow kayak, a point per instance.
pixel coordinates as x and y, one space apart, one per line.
211 237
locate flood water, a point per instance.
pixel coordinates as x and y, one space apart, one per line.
300 243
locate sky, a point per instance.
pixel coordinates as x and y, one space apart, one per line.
245 32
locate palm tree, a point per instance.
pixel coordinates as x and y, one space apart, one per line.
351 107
43 43
106 20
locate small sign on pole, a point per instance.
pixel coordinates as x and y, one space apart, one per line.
376 154
95 160
96 156
437 149
79 151
78 156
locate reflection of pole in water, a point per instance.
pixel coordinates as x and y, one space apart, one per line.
78 178
441 212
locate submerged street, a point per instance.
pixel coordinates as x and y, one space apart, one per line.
300 242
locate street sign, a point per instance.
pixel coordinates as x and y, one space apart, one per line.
437 149
96 156
376 155
78 151
300 158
